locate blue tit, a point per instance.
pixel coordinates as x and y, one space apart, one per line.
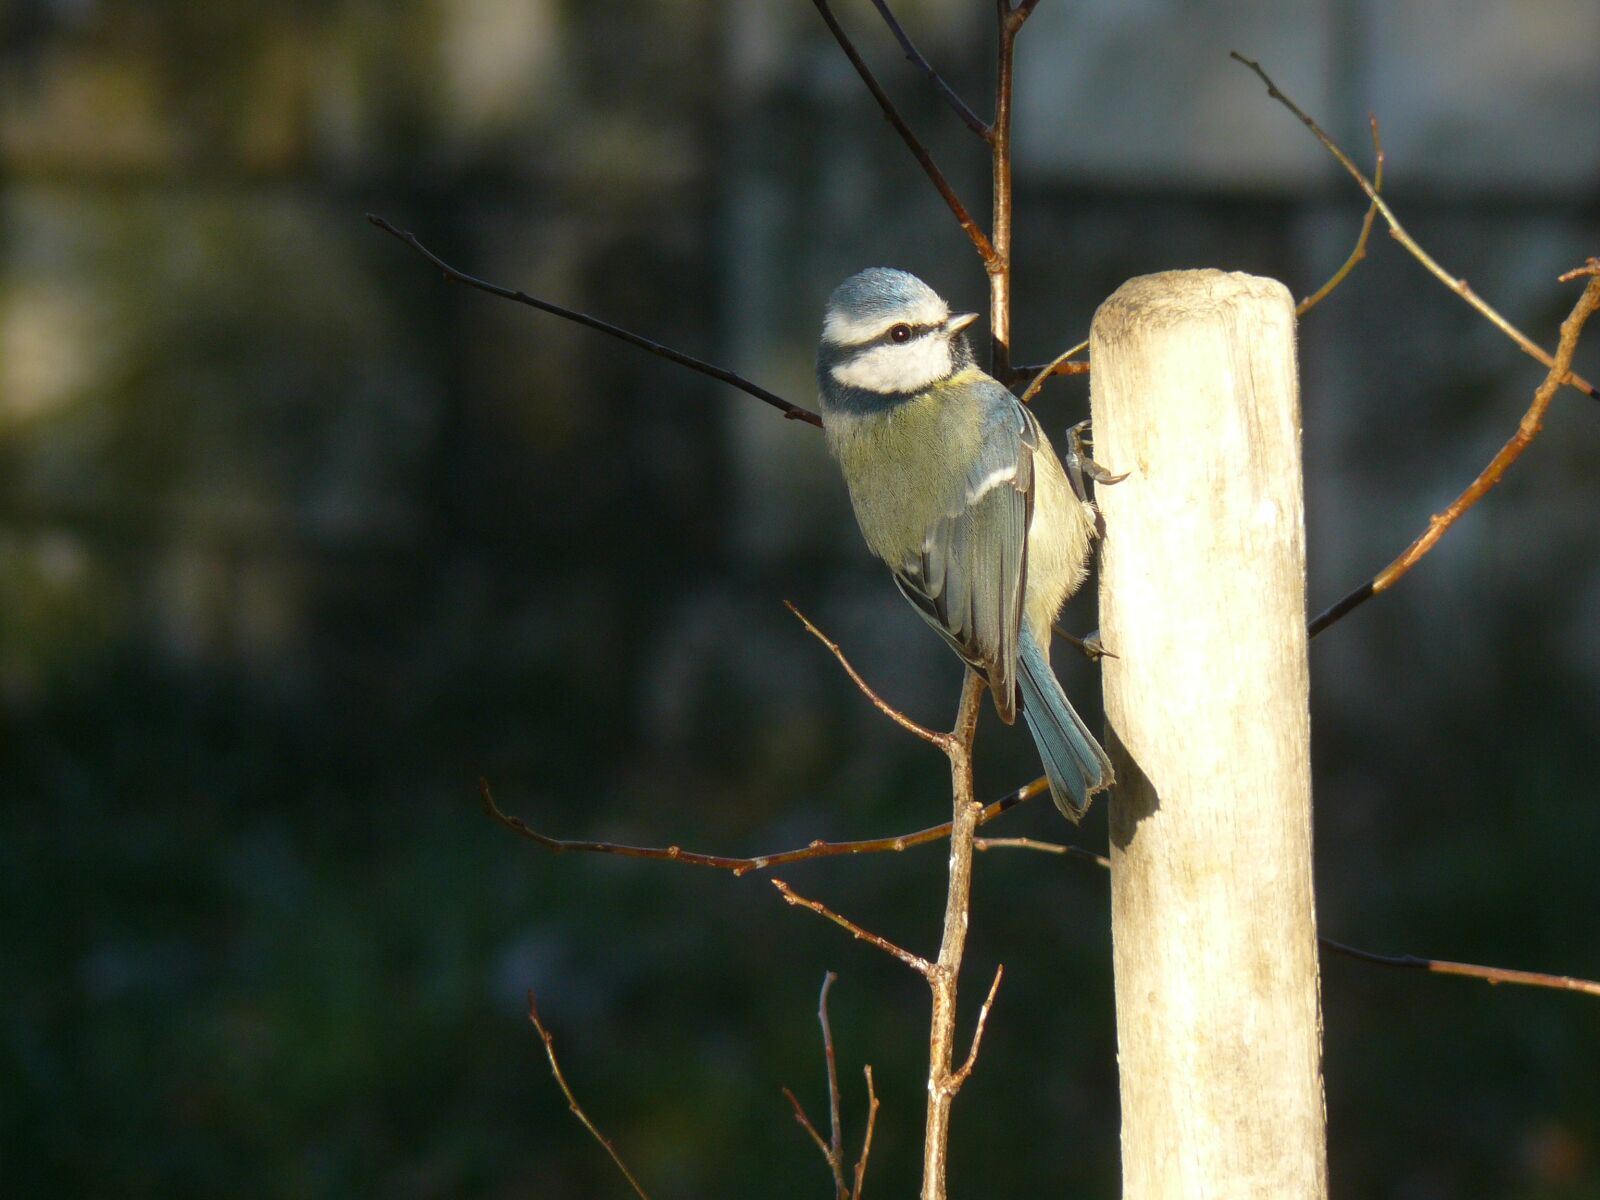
958 490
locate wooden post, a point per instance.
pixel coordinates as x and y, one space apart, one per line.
1202 600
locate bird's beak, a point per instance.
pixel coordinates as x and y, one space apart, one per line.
959 321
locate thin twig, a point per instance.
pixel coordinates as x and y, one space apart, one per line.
1458 286
833 1148
1360 251
836 1141
960 1077
1437 966
572 1101
866 1138
1527 429
1490 975
999 264
1027 371
915 961
1022 843
792 412
762 862
980 240
1056 366
894 714
805 1122
968 117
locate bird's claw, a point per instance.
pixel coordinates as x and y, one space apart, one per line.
1090 646
1079 463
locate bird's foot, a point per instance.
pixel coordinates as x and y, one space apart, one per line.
1090 646
1079 463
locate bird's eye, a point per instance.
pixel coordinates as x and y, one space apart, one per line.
900 333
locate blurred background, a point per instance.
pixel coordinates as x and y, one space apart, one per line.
297 540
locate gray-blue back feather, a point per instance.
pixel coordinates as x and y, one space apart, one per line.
970 576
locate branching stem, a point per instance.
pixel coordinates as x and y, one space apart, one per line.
1397 231
1527 429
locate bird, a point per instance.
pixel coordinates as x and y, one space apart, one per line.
957 489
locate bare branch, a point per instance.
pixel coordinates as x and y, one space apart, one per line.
1490 975
833 1149
1022 843
572 1101
894 714
960 1076
836 1141
866 1139
917 963
969 118
944 975
1056 366
980 240
1360 251
1026 372
970 707
1527 429
999 264
1437 966
790 411
740 866
1458 286
805 1122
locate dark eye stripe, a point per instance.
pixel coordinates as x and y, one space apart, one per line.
887 336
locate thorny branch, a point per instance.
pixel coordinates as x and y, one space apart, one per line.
1527 429
572 1101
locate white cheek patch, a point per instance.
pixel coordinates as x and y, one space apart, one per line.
843 330
891 368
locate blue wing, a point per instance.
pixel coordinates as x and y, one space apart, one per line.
970 577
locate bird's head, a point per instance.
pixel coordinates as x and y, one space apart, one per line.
888 333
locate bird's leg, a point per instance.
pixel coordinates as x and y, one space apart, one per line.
1079 463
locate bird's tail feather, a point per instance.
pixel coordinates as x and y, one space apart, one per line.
1073 761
